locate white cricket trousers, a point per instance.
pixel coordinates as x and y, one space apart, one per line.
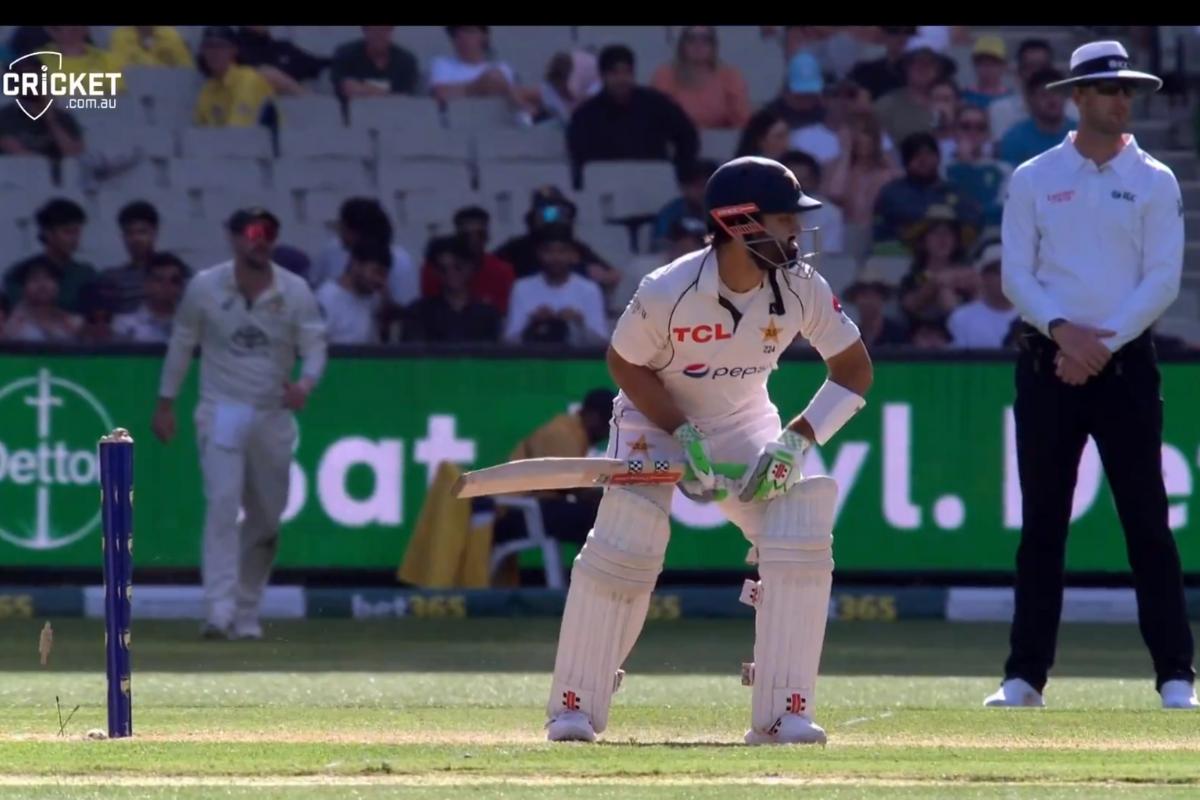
237 559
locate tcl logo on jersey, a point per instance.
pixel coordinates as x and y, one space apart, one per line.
702 370
702 333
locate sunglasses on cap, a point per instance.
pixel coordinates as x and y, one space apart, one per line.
1113 88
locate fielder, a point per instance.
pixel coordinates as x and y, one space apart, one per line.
692 353
250 317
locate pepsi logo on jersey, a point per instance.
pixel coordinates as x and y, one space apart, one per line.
702 333
703 370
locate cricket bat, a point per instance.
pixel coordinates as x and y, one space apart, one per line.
536 474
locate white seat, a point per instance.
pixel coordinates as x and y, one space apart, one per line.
649 43
539 143
719 145
838 270
529 48
522 177
426 145
611 242
535 539
166 96
218 173
346 175
309 111
417 193
336 142
395 112
480 114
227 142
218 204
629 188
761 62
30 172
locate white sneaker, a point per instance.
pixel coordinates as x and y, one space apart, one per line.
246 628
1014 692
570 726
793 729
1179 694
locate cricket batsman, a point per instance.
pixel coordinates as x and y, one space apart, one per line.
691 354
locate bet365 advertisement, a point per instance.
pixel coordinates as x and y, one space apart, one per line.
927 471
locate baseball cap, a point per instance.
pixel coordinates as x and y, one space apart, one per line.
991 255
990 47
920 44
804 74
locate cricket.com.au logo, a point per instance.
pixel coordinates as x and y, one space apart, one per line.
35 80
49 466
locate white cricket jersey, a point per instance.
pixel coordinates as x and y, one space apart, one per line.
246 351
1095 245
713 357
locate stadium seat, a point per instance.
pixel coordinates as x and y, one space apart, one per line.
415 194
535 539
203 172
719 145
165 96
218 204
839 271
346 175
29 172
309 111
426 145
761 61
322 40
396 112
539 143
628 188
339 142
226 142
611 242
505 188
649 44
480 114
529 48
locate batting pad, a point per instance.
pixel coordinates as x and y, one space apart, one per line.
796 565
606 605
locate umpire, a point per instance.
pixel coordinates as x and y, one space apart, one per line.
1093 250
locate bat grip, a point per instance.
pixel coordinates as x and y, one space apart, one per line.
731 470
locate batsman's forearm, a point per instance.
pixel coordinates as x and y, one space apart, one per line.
647 392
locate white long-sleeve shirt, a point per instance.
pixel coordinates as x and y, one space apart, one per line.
577 292
1099 246
247 352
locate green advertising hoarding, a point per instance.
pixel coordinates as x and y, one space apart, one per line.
927 471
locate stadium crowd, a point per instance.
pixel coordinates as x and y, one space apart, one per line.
910 157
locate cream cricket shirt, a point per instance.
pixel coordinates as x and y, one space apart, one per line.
246 351
714 357
1095 245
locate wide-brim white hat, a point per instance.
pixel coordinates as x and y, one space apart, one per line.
1100 61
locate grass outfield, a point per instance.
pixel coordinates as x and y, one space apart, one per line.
453 708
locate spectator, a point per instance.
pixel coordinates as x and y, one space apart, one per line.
836 48
353 302
807 86
549 206
766 135
571 78
944 103
60 225
885 74
799 104
151 321
713 93
97 309
939 280
150 46
930 334
233 96
556 306
1047 125
4 309
38 316
491 276
981 177
990 58
985 322
138 222
471 71
843 101
78 55
284 65
293 259
909 109
902 204
55 133
828 218
868 295
693 178
686 235
362 219
451 315
1033 55
628 122
856 177
373 66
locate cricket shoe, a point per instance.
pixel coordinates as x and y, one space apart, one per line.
1179 694
570 726
215 631
791 729
1014 692
247 628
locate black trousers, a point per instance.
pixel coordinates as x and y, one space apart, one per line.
1121 409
